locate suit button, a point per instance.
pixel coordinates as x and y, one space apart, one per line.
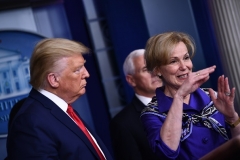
205 140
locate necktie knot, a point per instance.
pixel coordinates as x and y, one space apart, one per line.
70 109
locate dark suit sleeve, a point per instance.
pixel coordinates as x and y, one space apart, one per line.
124 145
14 111
31 139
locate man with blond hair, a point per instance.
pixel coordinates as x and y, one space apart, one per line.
46 126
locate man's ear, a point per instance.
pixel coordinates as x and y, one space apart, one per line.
53 80
130 80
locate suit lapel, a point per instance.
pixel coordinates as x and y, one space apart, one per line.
63 118
138 105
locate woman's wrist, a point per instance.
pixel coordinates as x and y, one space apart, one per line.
234 121
177 96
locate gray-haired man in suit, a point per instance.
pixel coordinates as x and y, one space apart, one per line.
128 136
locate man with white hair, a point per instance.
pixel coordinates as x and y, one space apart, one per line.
128 136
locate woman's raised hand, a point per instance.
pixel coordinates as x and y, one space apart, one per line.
195 80
224 100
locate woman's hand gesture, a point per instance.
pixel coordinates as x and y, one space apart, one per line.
195 80
224 100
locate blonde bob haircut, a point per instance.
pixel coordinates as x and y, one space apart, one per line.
45 57
159 48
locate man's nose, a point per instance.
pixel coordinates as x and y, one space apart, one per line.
86 74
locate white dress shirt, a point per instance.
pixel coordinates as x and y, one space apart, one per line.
143 99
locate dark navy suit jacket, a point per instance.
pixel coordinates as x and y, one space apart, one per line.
129 139
41 130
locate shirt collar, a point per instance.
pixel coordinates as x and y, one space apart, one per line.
143 99
57 100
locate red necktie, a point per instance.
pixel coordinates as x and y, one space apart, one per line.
83 128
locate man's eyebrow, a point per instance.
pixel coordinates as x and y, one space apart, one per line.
143 68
